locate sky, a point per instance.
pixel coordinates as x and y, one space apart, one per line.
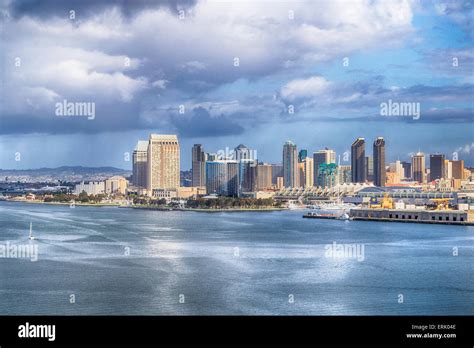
221 73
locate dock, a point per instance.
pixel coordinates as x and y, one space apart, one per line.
437 217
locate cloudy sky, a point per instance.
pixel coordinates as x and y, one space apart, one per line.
252 72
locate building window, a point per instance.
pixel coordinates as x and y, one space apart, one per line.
403 216
409 216
440 218
447 218
461 218
396 216
390 216
433 218
454 218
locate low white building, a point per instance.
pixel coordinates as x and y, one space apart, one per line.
91 188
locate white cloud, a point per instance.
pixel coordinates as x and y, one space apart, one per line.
304 88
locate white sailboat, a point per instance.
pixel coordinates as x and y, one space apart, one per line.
31 237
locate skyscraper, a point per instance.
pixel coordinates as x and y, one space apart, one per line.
290 165
308 171
222 177
198 166
216 177
358 160
140 159
301 174
406 170
264 176
379 162
163 162
369 168
302 155
458 169
325 156
327 175
436 166
418 167
247 160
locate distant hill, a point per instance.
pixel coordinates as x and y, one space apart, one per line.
63 169
64 173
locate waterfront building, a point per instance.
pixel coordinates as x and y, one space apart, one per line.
216 177
163 162
139 164
436 166
290 165
327 175
264 176
91 188
234 183
116 184
358 161
418 167
198 166
379 162
222 177
308 170
247 159
325 156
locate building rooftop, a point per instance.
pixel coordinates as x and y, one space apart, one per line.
142 145
164 137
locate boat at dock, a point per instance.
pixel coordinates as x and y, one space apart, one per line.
313 215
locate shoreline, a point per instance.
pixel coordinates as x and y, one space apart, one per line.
204 210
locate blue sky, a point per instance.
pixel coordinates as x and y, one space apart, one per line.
139 63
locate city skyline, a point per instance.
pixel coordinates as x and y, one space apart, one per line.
399 69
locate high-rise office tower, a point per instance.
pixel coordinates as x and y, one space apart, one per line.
140 159
448 169
325 156
344 174
302 155
457 169
301 174
379 162
308 170
222 177
216 177
436 166
290 165
264 176
418 167
247 159
358 160
328 175
163 162
198 166
406 170
234 184
369 168
277 172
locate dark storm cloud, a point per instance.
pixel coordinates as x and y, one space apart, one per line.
201 124
47 8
